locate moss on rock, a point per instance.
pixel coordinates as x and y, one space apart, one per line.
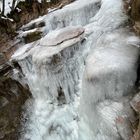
33 36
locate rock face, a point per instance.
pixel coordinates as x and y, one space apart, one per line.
135 14
135 103
2 59
12 96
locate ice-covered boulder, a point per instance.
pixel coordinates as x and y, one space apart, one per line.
110 74
56 37
59 65
53 74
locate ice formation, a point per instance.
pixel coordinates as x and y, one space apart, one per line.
110 74
86 50
58 36
53 72
76 13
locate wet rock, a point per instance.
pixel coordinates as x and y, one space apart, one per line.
2 59
1 135
135 12
135 15
3 102
4 70
32 36
137 134
12 96
135 104
7 25
137 27
61 96
3 123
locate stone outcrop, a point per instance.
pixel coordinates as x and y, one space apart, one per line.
12 96
135 14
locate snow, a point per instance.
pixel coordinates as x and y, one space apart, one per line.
7 18
52 9
87 51
25 33
8 5
38 20
22 50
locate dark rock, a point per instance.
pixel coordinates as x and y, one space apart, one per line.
12 97
135 15
1 135
7 26
137 134
3 102
3 123
33 36
2 59
61 97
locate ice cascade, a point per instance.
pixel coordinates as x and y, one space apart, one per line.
80 73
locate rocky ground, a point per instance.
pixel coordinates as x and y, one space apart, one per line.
12 96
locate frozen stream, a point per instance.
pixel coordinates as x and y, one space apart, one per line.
81 73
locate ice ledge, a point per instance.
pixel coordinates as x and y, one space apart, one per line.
52 43
57 37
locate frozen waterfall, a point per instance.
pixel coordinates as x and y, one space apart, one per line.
81 73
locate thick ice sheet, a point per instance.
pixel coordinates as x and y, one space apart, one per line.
110 74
